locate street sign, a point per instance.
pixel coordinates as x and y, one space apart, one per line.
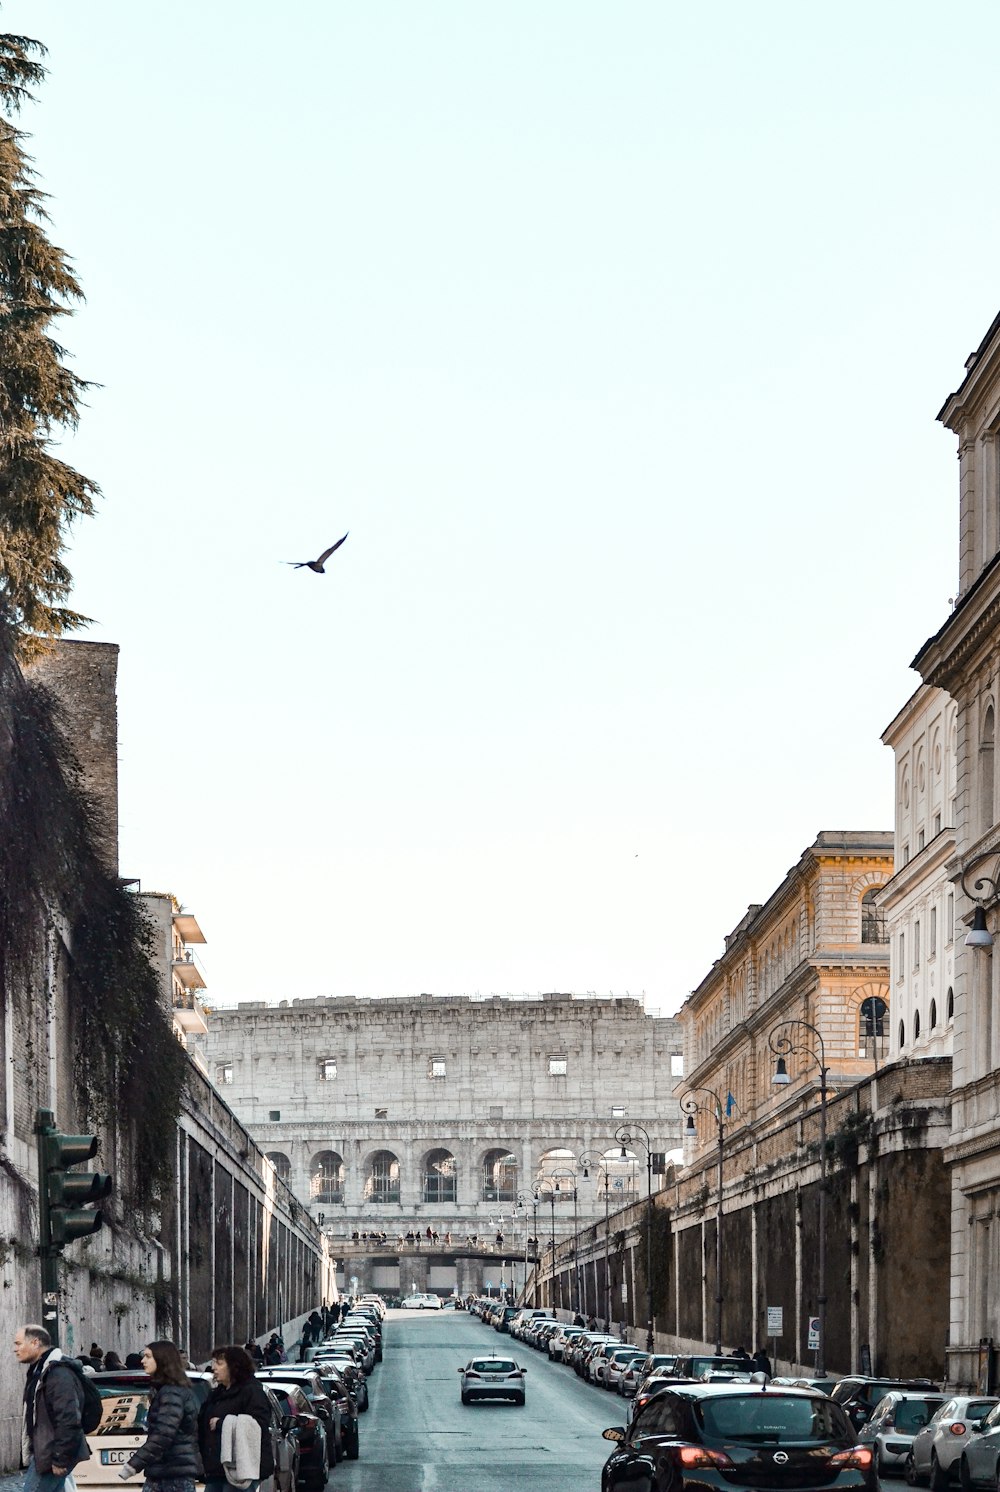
775 1317
488 1284
624 1291
813 1334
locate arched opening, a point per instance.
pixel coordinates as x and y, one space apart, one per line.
933 1015
499 1180
280 1162
986 772
439 1183
382 1180
950 1007
326 1177
873 1027
916 1025
902 1035
872 918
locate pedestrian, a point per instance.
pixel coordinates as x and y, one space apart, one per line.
133 1361
168 1457
113 1363
274 1352
234 1454
254 1350
761 1362
52 1438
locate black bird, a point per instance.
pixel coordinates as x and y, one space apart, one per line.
317 564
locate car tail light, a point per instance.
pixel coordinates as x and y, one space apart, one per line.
957 1428
473 1375
859 1457
700 1455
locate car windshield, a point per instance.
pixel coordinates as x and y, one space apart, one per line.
770 1418
913 1414
493 1365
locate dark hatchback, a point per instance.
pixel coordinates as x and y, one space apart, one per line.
745 1439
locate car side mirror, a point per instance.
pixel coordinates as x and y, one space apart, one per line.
615 1433
286 1424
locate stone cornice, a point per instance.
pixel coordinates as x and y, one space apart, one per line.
947 657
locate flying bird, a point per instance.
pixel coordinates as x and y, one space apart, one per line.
317 564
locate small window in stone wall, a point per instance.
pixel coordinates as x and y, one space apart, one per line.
381 1113
274 1116
224 1072
438 1068
328 1070
659 1162
558 1067
676 1064
496 1110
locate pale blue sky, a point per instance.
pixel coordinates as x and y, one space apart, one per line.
615 335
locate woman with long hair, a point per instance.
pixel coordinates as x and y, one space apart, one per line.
169 1456
236 1393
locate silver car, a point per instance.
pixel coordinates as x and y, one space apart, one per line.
979 1464
492 1378
898 1417
937 1450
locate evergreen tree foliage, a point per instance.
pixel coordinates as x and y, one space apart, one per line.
40 396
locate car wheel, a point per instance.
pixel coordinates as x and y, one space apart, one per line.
520 1404
963 1475
465 1397
910 1471
939 1478
353 1443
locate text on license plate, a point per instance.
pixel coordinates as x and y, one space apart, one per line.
114 1458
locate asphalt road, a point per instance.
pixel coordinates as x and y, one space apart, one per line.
418 1437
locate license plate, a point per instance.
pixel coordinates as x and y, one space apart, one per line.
114 1458
494 1377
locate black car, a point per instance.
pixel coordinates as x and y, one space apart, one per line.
299 1418
742 1438
322 1404
343 1396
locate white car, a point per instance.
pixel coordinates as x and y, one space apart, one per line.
422 1303
937 1449
493 1378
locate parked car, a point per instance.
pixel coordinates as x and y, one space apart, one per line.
631 1375
299 1418
701 1435
560 1340
124 1404
343 1395
503 1317
285 1446
492 1378
609 1372
935 1454
896 1419
307 1378
859 1395
979 1464
661 1364
695 1364
348 1365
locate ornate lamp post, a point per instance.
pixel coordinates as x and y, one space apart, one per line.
625 1135
979 935
783 1045
570 1176
586 1159
539 1190
690 1106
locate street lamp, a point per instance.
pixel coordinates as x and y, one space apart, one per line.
979 935
537 1191
628 1134
783 1046
586 1159
571 1175
690 1106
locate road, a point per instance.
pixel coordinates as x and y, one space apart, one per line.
418 1437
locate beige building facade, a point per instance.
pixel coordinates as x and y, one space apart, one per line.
963 658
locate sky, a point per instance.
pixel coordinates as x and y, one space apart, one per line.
614 335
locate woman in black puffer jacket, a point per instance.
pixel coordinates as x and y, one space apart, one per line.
169 1457
236 1392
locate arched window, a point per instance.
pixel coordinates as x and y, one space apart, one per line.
933 1014
439 1176
281 1163
951 1003
902 1036
916 1025
872 1027
499 1176
872 919
326 1177
986 772
382 1180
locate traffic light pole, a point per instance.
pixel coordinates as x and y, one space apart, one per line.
61 1218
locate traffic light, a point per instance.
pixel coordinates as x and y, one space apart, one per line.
62 1192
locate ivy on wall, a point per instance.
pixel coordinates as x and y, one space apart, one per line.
128 1067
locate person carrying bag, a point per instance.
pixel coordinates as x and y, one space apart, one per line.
169 1457
224 1436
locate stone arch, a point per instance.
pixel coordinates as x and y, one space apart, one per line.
498 1176
950 1007
381 1177
871 1011
932 1020
326 1177
281 1163
987 737
438 1176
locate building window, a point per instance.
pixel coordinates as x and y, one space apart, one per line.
906 854
916 944
676 1064
920 840
902 956
326 1177
274 1116
933 933
902 1036
937 823
557 1067
986 773
438 1068
439 1183
916 1025
950 1007
872 1027
872 919
224 1072
327 1069
496 1110
950 929
933 1014
382 1181
281 1164
381 1113
499 1182
659 1162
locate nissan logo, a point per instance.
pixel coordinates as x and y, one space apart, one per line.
780 1457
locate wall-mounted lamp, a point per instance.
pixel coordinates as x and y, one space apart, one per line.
984 891
781 1078
979 935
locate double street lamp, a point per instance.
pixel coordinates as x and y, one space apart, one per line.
539 1190
783 1045
625 1135
690 1106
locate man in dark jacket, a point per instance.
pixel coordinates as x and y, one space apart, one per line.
52 1439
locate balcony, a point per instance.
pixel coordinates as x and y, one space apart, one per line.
187 970
189 1013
